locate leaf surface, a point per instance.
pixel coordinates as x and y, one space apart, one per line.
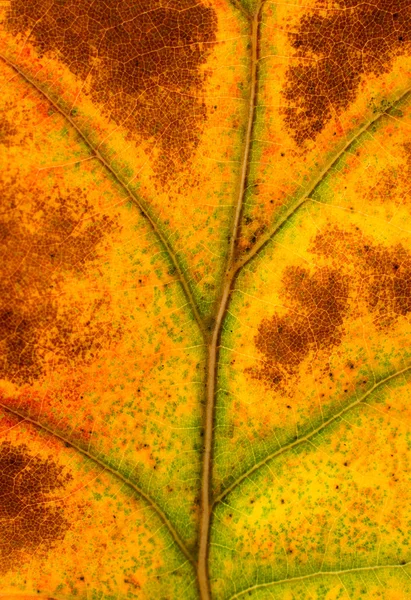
205 298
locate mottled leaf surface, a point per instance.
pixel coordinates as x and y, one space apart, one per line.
205 299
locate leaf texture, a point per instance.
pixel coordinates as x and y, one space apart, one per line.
205 299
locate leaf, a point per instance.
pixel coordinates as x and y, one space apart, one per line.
205 299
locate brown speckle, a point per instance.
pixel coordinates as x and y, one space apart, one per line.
35 261
29 522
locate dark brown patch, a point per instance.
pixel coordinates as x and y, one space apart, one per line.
362 277
318 304
149 56
32 520
7 130
380 275
337 49
33 326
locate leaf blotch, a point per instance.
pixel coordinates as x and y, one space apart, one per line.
380 275
42 242
334 51
32 518
318 304
143 59
362 279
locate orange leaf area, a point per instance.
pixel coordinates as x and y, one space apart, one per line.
205 299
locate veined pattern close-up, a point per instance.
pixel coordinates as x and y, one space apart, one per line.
205 299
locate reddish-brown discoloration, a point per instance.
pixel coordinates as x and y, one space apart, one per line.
34 327
314 323
32 519
380 275
362 277
60 408
143 57
336 49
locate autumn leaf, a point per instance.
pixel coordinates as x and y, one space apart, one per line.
205 336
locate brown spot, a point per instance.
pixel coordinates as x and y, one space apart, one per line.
32 519
337 48
380 275
249 234
39 249
392 186
389 283
7 130
143 58
318 304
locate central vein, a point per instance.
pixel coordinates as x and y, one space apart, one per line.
213 346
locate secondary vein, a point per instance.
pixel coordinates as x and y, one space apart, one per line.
318 574
131 195
110 470
317 181
308 436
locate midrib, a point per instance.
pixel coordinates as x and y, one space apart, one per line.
213 345
220 310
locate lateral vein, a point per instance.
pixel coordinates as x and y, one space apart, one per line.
317 574
307 437
131 195
110 470
293 209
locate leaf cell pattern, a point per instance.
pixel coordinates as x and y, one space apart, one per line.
142 61
205 299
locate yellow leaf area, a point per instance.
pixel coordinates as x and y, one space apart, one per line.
158 90
98 346
326 70
312 445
